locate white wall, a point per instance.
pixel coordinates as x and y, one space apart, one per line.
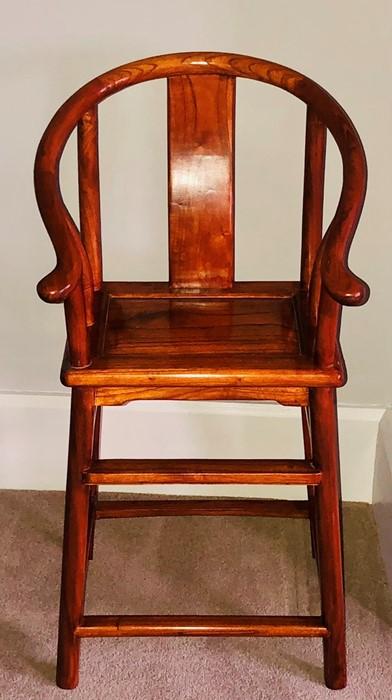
50 48
382 489
33 437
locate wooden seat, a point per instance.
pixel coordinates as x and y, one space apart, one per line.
252 338
202 334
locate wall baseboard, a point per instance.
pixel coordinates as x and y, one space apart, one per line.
35 434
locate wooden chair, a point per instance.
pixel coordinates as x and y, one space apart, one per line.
202 335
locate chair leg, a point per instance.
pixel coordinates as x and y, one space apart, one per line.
311 489
329 533
94 489
74 568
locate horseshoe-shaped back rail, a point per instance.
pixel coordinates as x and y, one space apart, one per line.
326 276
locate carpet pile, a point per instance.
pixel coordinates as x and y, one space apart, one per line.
188 565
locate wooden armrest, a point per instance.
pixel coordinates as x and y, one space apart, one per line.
344 286
59 283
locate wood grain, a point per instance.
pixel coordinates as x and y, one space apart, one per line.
89 193
313 199
202 334
202 471
73 266
157 326
267 508
75 547
238 290
118 396
329 534
201 180
235 343
200 626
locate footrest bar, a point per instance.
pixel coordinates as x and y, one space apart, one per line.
202 471
268 508
200 626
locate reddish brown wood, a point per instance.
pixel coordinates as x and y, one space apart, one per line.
267 508
311 489
201 180
200 625
157 326
207 342
118 396
89 196
202 471
313 200
74 568
227 372
78 344
326 456
94 489
202 335
72 263
238 290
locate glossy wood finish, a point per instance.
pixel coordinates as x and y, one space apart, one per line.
201 181
205 327
308 452
200 625
238 290
75 546
313 200
329 534
191 342
202 471
73 268
89 194
118 396
268 508
94 490
202 334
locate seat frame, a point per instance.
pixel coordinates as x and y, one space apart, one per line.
201 86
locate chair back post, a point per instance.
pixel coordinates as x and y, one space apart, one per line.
89 192
313 195
77 329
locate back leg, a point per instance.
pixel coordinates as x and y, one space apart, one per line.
94 489
311 489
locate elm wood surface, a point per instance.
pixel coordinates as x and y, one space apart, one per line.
117 396
203 335
164 290
221 342
94 490
329 534
201 471
313 199
89 194
75 545
307 438
268 508
164 326
73 269
200 625
201 165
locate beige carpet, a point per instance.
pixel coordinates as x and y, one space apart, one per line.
187 565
